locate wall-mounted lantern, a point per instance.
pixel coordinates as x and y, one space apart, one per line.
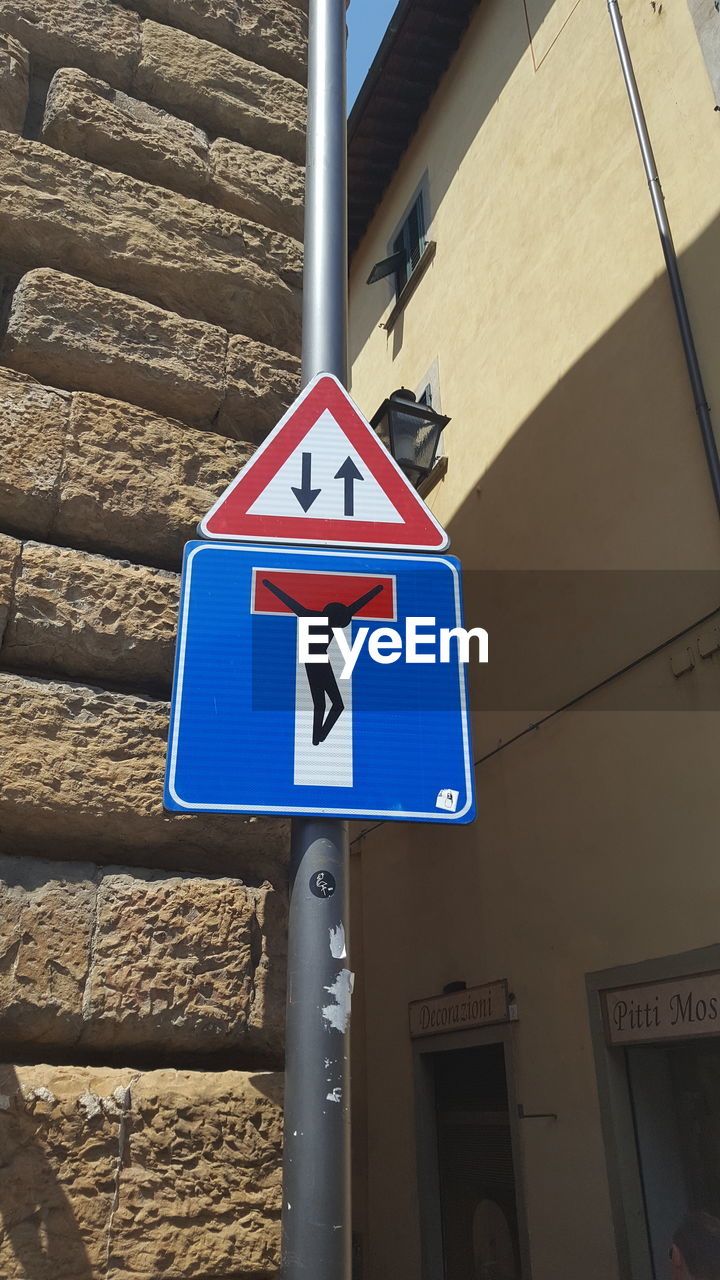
411 431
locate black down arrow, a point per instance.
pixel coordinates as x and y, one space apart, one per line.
349 473
305 495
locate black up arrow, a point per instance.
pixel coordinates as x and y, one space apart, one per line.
305 495
349 473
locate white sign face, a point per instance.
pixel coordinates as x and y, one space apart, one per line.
325 478
330 762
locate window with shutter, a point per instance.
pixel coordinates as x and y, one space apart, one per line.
409 243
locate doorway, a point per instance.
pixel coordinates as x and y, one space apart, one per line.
475 1182
659 1095
675 1095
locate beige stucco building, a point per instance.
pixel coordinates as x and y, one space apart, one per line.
566 1134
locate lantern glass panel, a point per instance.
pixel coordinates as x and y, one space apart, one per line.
414 437
411 431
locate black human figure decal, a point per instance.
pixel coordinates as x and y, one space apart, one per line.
321 677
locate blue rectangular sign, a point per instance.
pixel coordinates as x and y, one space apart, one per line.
375 727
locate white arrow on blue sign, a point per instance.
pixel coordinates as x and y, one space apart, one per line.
256 729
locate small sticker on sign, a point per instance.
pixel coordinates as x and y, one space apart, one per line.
447 799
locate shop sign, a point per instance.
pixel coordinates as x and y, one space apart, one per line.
675 1009
460 1010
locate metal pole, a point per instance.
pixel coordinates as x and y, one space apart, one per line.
702 407
316 1232
324 347
316 1172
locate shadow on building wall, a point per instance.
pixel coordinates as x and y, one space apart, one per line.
593 535
38 1221
608 469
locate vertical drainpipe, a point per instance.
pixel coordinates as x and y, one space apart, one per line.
702 408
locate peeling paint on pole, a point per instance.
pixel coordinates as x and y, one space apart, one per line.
337 1015
337 943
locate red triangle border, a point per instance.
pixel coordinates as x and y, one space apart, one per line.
229 519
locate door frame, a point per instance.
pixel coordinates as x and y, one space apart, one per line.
428 1173
618 1127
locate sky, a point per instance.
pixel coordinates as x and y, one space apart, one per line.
367 23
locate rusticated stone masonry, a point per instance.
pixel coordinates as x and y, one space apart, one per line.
75 335
151 957
139 1173
178 253
151 196
87 118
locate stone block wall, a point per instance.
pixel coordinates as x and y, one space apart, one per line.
156 963
139 1173
151 195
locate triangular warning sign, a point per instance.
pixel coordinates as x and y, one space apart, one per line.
323 476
